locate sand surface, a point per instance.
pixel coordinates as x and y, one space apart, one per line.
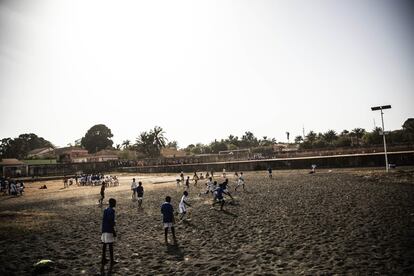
339 222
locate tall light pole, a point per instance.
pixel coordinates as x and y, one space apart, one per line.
375 108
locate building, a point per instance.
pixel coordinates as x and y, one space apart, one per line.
13 168
41 153
103 155
172 152
71 155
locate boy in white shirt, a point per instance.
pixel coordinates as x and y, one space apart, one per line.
134 188
182 206
240 181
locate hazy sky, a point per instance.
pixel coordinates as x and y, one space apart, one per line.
203 69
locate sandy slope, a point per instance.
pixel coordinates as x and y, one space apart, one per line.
335 223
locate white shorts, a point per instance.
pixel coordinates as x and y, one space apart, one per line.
182 209
107 238
168 224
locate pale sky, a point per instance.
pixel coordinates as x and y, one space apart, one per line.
203 69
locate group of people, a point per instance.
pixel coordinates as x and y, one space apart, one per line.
218 191
11 187
137 192
91 180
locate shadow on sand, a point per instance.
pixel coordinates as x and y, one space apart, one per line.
108 271
175 250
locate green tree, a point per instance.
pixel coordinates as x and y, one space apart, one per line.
159 138
173 144
266 142
343 140
330 136
374 137
126 144
19 147
408 130
150 143
218 146
311 137
409 125
97 138
249 140
358 133
298 139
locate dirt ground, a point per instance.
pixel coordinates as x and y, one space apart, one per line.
332 222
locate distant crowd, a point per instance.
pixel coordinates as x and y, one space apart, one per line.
11 187
91 180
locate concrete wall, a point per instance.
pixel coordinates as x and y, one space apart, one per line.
345 161
71 168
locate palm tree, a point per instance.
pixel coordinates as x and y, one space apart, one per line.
330 136
344 132
311 137
159 138
298 139
126 144
358 133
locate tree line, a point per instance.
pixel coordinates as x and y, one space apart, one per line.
150 143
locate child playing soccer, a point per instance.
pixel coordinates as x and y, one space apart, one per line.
240 182
187 183
195 178
103 186
140 194
167 211
211 186
270 172
182 206
226 189
134 188
108 232
218 198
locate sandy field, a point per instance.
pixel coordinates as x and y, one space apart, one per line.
330 223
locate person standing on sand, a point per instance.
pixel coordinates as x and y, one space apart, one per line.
134 188
270 172
195 178
240 181
108 232
182 176
187 183
182 206
140 194
168 220
103 186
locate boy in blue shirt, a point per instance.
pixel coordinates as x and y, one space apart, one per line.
218 198
108 231
167 211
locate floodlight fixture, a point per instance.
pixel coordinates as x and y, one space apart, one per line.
382 107
375 108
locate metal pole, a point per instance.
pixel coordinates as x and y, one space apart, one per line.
385 143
